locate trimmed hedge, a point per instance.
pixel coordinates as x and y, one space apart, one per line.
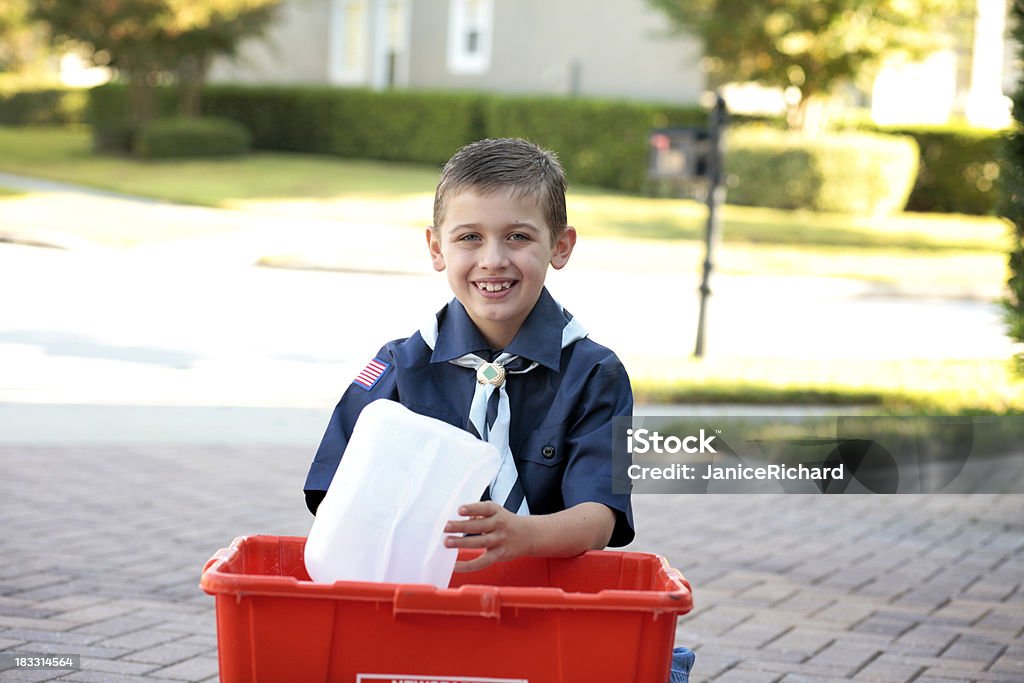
107 113
117 137
390 126
596 140
859 173
600 143
51 106
958 172
284 119
174 138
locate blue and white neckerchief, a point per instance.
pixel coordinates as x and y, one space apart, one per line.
489 412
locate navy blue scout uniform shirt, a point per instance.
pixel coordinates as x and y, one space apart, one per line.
561 412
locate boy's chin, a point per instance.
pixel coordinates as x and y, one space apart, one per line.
494 311
497 310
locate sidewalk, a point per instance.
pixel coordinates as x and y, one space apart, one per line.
103 545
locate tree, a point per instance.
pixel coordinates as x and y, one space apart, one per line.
811 45
13 21
21 45
215 28
147 39
1012 181
124 34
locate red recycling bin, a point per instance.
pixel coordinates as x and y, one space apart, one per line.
601 616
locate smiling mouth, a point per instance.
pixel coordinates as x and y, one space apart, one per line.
494 286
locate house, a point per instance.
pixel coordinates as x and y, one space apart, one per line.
616 49
611 48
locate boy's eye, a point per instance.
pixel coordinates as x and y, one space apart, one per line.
519 236
469 237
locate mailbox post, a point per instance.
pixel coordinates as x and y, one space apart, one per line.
689 158
715 199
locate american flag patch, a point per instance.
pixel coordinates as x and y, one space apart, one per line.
371 374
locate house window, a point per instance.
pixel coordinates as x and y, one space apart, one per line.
348 45
469 36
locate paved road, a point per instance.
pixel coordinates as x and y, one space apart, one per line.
102 548
84 327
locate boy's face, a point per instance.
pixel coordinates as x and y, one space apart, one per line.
496 250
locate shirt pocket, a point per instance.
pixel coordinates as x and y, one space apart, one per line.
544 446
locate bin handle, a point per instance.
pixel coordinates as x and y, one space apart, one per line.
221 556
480 601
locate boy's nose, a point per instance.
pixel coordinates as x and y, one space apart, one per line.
494 256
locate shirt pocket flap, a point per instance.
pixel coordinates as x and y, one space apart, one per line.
545 446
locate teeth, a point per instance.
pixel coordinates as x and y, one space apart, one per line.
493 286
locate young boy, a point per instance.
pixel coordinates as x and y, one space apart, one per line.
499 221
505 361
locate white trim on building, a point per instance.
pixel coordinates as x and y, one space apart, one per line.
470 35
347 48
391 44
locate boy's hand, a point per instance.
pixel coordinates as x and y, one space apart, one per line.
502 534
506 536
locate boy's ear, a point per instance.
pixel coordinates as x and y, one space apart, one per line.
563 248
434 246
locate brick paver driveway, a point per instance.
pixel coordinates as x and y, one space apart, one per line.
101 549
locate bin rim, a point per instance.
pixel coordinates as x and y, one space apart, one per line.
217 582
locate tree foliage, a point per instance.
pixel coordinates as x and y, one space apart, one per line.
147 39
20 43
1012 179
811 45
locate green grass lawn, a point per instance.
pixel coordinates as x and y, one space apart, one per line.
954 255
402 193
66 154
947 386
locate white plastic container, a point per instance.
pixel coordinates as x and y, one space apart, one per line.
403 476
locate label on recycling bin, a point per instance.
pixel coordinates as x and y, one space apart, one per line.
415 678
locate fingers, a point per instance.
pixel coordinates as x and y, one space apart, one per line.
486 508
483 518
478 563
482 541
471 526
486 527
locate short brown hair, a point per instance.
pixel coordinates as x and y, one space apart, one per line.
495 164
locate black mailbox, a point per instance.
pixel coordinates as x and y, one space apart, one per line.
689 162
678 154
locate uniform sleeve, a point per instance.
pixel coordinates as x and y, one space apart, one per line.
589 473
343 420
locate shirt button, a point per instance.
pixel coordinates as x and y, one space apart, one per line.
548 451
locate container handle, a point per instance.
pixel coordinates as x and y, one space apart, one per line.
221 556
480 601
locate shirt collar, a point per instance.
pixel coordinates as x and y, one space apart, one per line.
539 339
456 334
